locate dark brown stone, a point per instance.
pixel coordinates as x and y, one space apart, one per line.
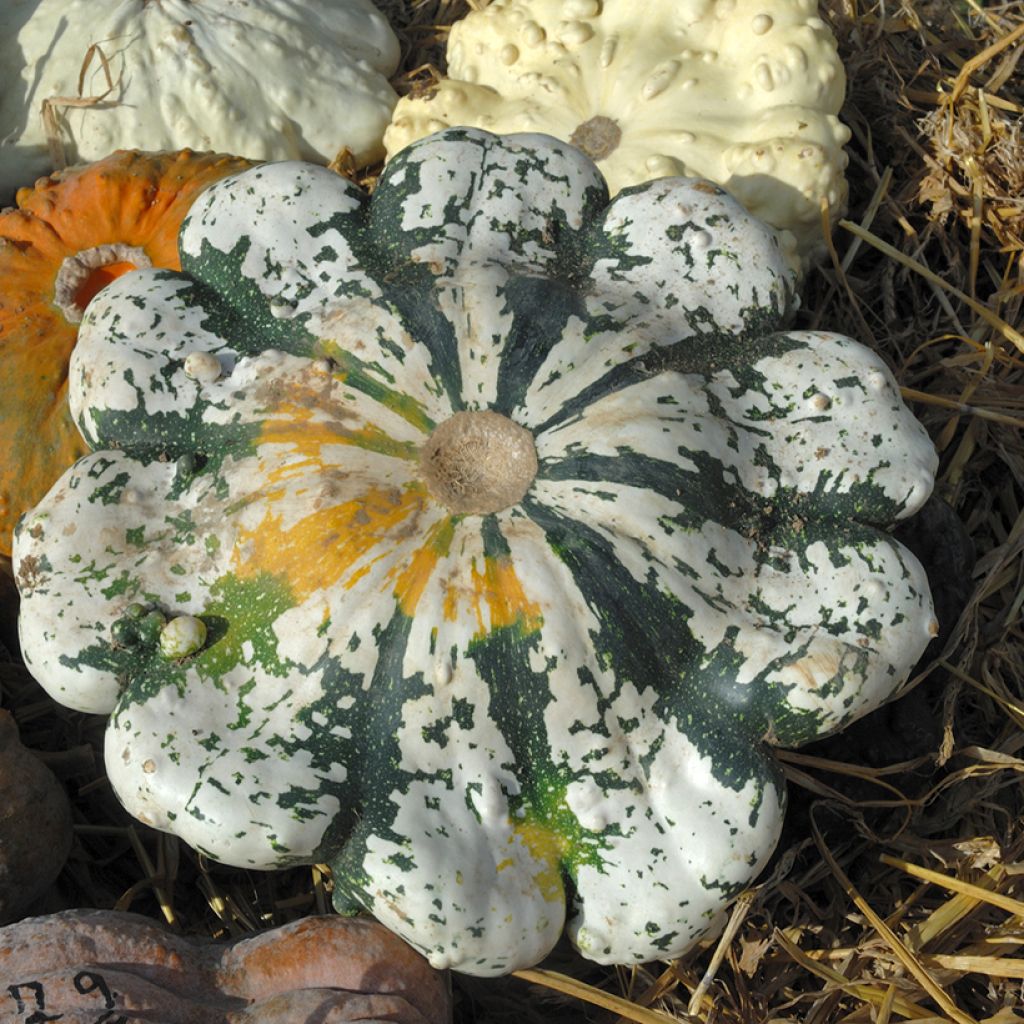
35 824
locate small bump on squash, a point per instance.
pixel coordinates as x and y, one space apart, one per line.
182 636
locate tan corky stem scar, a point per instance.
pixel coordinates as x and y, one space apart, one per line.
76 271
598 138
476 463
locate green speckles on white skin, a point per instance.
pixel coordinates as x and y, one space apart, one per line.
695 238
878 593
654 830
493 916
665 844
635 521
638 418
289 199
473 302
473 828
652 299
139 332
333 298
504 191
740 597
508 222
192 775
486 742
825 405
80 612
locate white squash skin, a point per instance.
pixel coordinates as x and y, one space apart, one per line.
166 294
478 835
265 79
698 88
649 317
609 922
47 626
572 186
804 435
149 774
174 752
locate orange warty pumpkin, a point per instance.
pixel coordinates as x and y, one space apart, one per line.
67 237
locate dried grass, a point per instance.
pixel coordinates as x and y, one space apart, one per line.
896 891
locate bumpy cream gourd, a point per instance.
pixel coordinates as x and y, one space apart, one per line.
265 79
742 92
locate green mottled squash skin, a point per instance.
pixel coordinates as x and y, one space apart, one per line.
518 529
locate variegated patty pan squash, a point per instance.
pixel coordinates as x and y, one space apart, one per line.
478 538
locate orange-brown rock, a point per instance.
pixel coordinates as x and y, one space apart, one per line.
84 964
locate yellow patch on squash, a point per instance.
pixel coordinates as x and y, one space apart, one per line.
546 847
507 603
413 579
292 423
325 546
497 597
331 545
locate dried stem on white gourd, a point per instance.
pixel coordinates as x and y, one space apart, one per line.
598 138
